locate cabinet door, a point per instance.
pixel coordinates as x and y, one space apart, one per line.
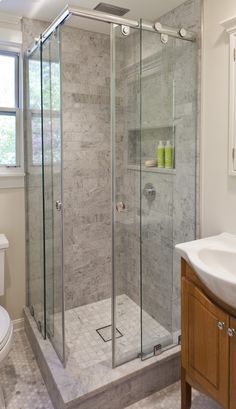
233 365
205 345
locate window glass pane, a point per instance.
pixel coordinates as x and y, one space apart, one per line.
35 84
7 139
51 81
51 76
7 81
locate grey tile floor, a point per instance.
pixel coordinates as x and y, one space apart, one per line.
169 398
86 348
22 383
24 388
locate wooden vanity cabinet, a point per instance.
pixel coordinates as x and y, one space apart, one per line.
208 343
232 363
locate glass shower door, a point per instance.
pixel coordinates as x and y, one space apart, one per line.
156 190
126 193
53 209
34 191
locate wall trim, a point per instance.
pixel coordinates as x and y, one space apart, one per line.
10 18
12 181
229 24
18 324
202 119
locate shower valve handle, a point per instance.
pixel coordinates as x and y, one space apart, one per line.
120 207
58 205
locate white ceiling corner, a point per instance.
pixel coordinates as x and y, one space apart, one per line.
48 10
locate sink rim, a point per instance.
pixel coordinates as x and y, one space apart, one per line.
219 281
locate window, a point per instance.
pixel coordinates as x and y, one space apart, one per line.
51 110
9 110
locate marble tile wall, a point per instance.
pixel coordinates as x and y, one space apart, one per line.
85 59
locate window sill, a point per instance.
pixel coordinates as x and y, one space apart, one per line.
12 180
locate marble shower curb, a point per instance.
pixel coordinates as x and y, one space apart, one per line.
132 382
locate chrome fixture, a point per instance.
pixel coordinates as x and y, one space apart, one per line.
221 325
112 19
120 207
111 9
173 32
149 191
182 32
58 205
125 30
164 38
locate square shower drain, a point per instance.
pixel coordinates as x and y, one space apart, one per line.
106 333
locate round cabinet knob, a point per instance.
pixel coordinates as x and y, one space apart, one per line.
221 325
231 332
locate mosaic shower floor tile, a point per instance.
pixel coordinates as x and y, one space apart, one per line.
84 345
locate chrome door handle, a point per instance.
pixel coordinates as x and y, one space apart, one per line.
221 325
231 332
58 205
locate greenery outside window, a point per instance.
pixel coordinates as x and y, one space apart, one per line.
9 110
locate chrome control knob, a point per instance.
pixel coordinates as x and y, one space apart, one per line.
120 207
221 325
58 205
231 332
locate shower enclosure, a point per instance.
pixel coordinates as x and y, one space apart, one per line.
102 91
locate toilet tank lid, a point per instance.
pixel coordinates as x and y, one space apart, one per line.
4 243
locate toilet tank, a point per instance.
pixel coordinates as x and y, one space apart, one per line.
4 244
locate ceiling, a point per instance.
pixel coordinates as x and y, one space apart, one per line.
48 9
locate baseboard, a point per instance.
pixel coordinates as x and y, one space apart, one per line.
18 324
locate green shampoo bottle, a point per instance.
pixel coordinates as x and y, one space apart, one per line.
160 155
169 156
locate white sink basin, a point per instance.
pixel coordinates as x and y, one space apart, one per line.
214 260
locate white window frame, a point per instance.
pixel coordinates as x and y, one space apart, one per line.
13 176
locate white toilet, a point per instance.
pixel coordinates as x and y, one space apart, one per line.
6 326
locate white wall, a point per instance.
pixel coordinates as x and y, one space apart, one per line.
218 190
12 223
12 206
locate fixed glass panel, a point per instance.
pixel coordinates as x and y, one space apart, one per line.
8 80
126 194
52 159
8 139
34 190
184 197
